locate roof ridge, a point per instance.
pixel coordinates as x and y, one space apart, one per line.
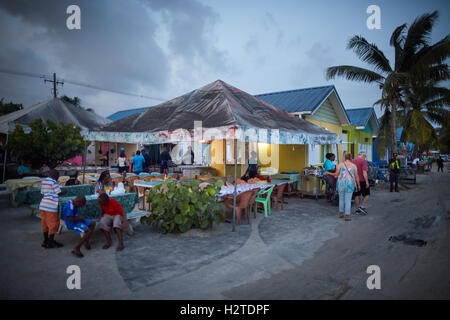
295 90
359 108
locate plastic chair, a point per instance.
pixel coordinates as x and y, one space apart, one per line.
278 196
242 203
263 197
252 200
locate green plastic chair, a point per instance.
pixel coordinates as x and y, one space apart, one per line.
264 198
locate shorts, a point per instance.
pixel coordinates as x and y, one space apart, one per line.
123 169
107 221
364 191
50 222
81 227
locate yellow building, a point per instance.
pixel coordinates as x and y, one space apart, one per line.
319 105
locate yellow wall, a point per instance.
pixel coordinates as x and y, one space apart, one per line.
218 156
332 127
292 157
283 157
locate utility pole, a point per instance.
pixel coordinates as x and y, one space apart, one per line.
54 84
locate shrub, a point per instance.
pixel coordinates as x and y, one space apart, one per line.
178 207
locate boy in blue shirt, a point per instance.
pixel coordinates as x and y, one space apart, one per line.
78 224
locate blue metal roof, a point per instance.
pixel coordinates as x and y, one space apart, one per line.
299 100
360 116
125 113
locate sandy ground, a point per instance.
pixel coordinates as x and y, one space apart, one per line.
302 252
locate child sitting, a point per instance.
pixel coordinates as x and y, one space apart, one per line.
112 215
79 225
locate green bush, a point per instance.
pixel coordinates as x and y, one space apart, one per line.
178 207
46 143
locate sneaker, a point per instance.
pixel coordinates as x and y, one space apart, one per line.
363 210
358 211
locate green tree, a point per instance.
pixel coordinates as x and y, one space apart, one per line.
423 106
75 100
444 138
6 108
415 61
46 143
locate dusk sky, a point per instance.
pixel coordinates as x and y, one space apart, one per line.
164 49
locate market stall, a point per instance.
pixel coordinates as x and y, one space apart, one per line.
216 113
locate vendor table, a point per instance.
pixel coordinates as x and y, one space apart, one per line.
92 209
93 179
293 179
15 185
229 190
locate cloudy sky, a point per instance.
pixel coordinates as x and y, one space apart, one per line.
165 48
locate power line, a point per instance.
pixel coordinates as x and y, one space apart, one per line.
76 83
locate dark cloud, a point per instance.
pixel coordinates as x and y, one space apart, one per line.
116 47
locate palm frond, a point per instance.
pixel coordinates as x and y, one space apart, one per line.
354 74
397 41
437 103
440 116
436 54
418 36
369 53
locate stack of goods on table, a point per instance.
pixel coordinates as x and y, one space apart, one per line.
313 171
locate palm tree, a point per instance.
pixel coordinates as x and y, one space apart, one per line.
423 107
415 62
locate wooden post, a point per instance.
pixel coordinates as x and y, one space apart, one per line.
84 163
4 160
235 184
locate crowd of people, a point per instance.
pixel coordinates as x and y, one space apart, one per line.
350 177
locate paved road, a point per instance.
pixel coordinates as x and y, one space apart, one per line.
338 269
302 252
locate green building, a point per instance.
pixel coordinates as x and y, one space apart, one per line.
358 136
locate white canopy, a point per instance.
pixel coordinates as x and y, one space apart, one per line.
56 110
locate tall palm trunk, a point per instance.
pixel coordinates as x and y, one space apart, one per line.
394 127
